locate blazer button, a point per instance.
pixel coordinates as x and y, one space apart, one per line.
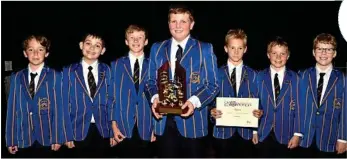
31 113
317 113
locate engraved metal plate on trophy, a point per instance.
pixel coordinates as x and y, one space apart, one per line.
172 93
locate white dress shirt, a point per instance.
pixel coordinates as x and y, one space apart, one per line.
133 58
37 77
326 78
174 47
85 76
238 74
280 79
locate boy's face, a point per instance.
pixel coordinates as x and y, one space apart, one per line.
278 56
92 48
324 54
180 26
136 41
35 52
235 49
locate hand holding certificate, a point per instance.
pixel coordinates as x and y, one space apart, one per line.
237 112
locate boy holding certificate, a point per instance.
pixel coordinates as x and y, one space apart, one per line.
279 129
323 103
235 80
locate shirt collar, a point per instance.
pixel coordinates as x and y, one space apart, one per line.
86 65
38 71
182 43
132 57
327 71
280 73
231 66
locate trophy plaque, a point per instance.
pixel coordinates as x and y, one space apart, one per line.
172 93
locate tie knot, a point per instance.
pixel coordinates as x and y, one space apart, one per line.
321 74
234 69
90 68
179 47
33 75
276 75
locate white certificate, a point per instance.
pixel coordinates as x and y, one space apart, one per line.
237 112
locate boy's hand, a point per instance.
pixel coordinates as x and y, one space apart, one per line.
258 113
70 144
294 142
55 147
153 138
190 109
255 139
216 113
12 149
113 142
341 147
154 105
118 136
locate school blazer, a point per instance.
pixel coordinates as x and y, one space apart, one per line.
281 115
34 119
78 107
248 89
327 121
130 107
200 64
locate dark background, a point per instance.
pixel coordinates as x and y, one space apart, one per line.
64 23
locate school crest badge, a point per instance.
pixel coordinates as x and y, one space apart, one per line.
43 103
292 104
337 103
195 77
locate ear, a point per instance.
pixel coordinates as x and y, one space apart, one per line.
245 50
126 42
47 53
146 42
313 53
25 54
268 55
81 45
226 49
192 25
334 54
103 51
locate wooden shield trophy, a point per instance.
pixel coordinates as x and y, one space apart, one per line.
172 93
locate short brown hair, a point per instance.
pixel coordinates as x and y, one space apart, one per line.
278 41
180 9
325 38
94 35
236 34
39 38
132 28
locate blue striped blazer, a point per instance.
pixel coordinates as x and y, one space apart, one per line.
281 115
248 89
78 106
201 81
34 119
130 106
327 121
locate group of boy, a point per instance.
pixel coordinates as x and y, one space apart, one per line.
91 107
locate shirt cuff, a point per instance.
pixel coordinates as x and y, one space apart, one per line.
195 101
298 134
255 132
340 140
155 96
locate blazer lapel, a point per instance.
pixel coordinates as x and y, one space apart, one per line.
101 78
229 86
243 80
42 78
144 70
268 84
127 67
80 77
313 85
190 43
25 83
285 85
332 81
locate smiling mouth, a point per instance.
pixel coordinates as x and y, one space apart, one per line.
323 58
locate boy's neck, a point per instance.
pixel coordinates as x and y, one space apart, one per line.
323 68
277 69
137 54
35 67
235 63
88 61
